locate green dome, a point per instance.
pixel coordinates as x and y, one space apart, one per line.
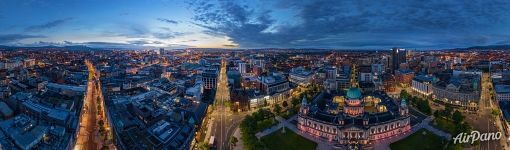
353 93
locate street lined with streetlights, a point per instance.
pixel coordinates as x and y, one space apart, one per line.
92 112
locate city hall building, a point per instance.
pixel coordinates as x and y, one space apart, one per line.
353 119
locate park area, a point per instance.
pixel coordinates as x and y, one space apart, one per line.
421 140
443 124
288 140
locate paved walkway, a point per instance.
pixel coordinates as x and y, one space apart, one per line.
239 144
272 129
435 130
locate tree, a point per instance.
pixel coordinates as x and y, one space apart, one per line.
403 94
457 117
105 147
423 106
495 113
233 141
295 102
100 122
285 104
99 108
436 113
462 128
447 112
227 104
203 146
426 108
277 108
101 129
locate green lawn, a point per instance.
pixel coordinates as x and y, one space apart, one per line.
261 125
443 124
288 140
418 141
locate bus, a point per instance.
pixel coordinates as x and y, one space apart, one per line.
212 143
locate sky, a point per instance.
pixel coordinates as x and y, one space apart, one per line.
345 24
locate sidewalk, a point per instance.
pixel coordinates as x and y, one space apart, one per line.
504 139
239 144
435 130
272 129
209 130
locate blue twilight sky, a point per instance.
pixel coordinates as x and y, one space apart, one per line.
360 24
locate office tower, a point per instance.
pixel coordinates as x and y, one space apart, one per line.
398 57
242 67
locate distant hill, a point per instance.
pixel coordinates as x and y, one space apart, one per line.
498 47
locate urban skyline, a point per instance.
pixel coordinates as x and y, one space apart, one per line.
254 75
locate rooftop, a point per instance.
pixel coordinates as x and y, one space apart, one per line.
501 88
24 134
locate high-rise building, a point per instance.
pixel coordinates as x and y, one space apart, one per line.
209 77
258 62
161 51
398 57
331 73
377 69
242 67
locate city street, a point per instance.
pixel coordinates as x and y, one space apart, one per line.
224 122
88 135
483 121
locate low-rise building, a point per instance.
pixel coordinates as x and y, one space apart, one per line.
405 77
300 76
422 84
462 90
23 131
502 92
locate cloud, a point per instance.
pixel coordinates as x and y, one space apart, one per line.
47 25
354 23
139 42
189 41
134 44
144 42
110 45
93 44
141 31
230 45
167 21
179 46
9 38
164 35
167 35
157 42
